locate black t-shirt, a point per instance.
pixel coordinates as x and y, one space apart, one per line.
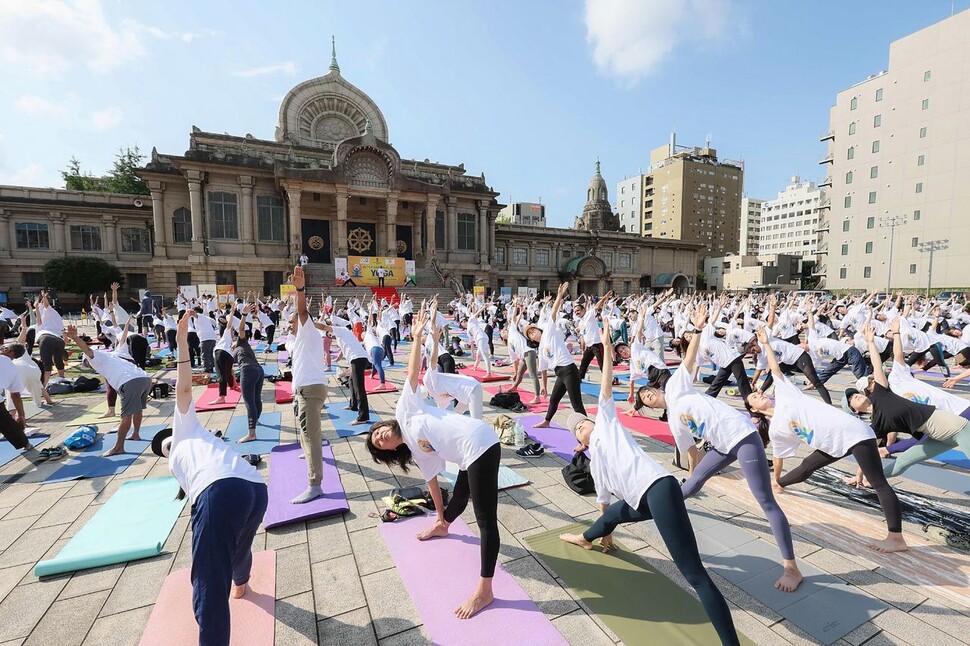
892 413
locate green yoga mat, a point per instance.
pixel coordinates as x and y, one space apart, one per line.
638 603
93 416
134 524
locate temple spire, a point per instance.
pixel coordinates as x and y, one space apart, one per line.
333 55
598 167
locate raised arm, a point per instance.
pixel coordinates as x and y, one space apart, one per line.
772 302
898 355
560 296
762 333
606 384
699 321
869 334
299 282
183 379
71 332
417 333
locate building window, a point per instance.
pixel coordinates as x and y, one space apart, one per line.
223 216
917 214
626 261
626 287
921 160
847 202
225 277
854 103
922 132
926 104
272 280
926 76
269 214
867 272
32 279
182 226
912 269
845 225
542 257
877 121
500 255
868 247
848 177
852 128
135 241
872 197
607 258
919 187
850 153
845 249
879 95
466 232
873 172
31 235
520 256
439 230
85 238
842 273
183 278
875 146
136 281
870 222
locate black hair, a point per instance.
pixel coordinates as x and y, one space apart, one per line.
760 421
16 350
401 456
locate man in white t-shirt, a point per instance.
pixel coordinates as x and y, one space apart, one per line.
381 274
12 428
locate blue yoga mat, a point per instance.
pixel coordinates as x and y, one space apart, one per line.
261 347
164 352
594 391
133 524
90 464
8 452
341 419
271 369
954 457
267 433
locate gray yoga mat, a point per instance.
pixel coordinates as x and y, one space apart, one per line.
934 476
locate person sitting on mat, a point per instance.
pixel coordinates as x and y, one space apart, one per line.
795 417
694 416
430 437
646 491
445 388
228 499
131 382
555 354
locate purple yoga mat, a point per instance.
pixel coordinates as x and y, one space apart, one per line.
283 356
287 480
441 573
555 438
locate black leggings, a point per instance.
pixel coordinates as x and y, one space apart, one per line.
52 352
170 339
664 503
735 369
480 482
805 366
270 332
139 349
866 454
938 359
593 350
358 391
224 363
567 381
447 363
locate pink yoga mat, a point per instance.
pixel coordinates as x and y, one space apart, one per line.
284 392
644 425
288 479
441 573
480 375
212 392
253 617
373 386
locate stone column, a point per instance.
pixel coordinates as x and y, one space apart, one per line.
491 237
380 229
341 199
59 240
417 239
482 233
6 242
195 205
110 236
158 219
11 232
246 184
391 236
451 227
294 193
432 215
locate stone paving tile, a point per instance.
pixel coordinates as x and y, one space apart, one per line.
86 514
121 629
12 529
93 580
286 536
349 628
905 597
67 622
370 551
912 629
953 622
138 585
36 504
328 538
541 587
293 571
579 628
32 545
390 606
25 606
10 577
296 622
414 637
340 575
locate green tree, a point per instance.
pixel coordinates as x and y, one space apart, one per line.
77 180
80 274
120 179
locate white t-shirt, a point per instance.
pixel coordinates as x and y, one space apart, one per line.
198 458
799 418
641 359
350 347
225 341
589 327
116 371
553 345
436 436
617 463
205 328
717 349
693 416
10 380
903 383
826 349
29 373
785 352
307 354
443 387
51 324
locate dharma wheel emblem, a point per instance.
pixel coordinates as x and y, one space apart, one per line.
360 240
402 246
315 243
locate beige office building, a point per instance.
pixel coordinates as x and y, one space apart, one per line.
750 225
689 194
789 223
899 147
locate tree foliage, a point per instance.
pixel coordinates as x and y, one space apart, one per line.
120 179
80 274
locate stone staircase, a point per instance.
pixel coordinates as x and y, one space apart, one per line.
320 277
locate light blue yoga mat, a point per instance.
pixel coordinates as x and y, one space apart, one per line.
271 369
133 524
954 457
267 433
90 464
341 419
8 452
164 352
593 390
261 347
507 478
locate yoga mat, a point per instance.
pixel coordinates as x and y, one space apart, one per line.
955 458
593 390
284 392
271 369
935 476
261 347
8 452
164 352
481 376
507 478
93 416
267 433
283 356
644 425
373 386
441 573
91 464
341 419
204 402
288 479
555 438
638 603
540 407
133 524
252 618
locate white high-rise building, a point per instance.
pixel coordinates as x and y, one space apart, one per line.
789 223
899 154
750 225
627 203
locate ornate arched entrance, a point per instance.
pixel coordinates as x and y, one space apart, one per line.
588 275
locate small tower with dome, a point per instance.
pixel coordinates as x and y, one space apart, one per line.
597 214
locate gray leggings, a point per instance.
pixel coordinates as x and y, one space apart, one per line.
927 449
750 454
528 361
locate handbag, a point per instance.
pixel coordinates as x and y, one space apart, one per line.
577 475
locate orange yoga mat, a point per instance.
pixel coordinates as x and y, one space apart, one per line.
253 617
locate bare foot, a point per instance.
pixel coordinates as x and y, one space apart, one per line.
438 530
112 451
790 580
807 387
577 539
535 400
218 400
894 542
249 438
134 436
348 408
473 604
777 488
357 422
542 424
106 415
239 591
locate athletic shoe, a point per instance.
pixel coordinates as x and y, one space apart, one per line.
531 451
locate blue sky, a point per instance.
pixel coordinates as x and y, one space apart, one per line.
530 92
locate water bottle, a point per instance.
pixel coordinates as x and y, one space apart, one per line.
519 434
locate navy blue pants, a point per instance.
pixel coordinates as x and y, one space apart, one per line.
225 518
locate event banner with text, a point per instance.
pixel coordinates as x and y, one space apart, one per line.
363 270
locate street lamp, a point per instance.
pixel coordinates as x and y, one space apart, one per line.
892 222
932 246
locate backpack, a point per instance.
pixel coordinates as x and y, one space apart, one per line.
577 475
505 400
60 388
504 427
82 438
161 390
84 384
153 362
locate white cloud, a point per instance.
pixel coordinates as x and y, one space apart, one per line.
631 38
288 68
184 36
42 108
29 175
108 118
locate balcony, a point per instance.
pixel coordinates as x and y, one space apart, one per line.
825 182
823 225
828 159
823 249
828 136
825 204
819 270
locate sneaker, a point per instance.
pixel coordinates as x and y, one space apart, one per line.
531 451
56 453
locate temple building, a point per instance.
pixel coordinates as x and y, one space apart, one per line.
237 210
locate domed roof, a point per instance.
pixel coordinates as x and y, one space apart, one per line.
597 187
326 110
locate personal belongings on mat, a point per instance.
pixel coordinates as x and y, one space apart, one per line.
153 362
505 400
84 384
52 454
578 476
531 450
60 388
505 429
161 390
408 492
402 506
427 501
202 379
252 458
82 438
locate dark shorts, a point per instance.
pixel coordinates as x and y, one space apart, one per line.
134 395
51 352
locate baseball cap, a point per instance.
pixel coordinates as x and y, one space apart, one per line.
573 421
847 397
160 437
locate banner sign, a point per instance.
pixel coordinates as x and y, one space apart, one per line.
190 292
479 292
207 290
225 294
410 273
287 290
363 270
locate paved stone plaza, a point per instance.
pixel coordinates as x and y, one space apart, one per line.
336 583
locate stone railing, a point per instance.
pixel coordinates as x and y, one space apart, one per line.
447 281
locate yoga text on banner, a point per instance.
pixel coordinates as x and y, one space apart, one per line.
363 270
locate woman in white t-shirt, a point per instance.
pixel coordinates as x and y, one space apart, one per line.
554 354
795 418
228 499
646 491
430 437
444 388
